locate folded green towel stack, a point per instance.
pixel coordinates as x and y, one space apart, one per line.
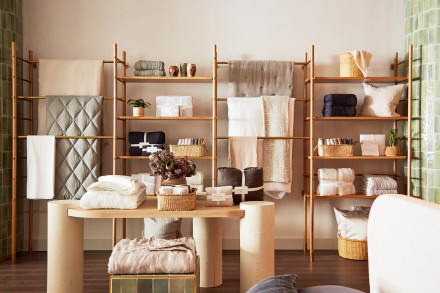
149 65
149 72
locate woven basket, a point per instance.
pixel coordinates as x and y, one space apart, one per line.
188 150
343 150
348 67
177 202
352 249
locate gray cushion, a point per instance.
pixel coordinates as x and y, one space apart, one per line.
277 284
163 228
328 289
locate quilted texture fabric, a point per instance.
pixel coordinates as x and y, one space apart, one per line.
77 160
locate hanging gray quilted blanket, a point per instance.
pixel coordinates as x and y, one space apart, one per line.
78 159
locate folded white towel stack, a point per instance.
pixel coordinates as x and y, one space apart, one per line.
336 181
378 185
114 192
196 181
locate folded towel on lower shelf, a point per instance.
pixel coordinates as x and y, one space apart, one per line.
379 182
153 256
339 111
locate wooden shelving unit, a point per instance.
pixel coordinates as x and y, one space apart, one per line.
309 130
120 86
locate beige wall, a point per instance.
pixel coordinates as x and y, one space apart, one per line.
184 31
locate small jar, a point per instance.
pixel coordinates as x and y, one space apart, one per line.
174 71
191 70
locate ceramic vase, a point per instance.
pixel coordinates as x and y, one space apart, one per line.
392 151
183 72
174 71
191 70
174 181
138 111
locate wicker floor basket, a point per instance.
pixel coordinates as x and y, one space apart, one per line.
348 67
177 202
188 150
343 150
352 249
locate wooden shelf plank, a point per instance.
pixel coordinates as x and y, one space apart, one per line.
360 158
378 79
146 158
164 118
344 196
165 79
359 118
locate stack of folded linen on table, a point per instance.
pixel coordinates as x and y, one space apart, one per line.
339 105
336 181
174 106
378 184
219 196
196 181
114 192
149 68
153 256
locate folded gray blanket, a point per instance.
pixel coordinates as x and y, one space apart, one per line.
149 73
149 65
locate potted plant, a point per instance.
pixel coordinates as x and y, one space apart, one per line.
393 149
138 106
172 170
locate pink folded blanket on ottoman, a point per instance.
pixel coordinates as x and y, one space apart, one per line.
153 256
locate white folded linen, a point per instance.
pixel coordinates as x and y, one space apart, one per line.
346 189
153 256
66 78
180 189
379 182
111 200
330 174
172 106
40 166
362 60
327 188
196 181
219 196
166 190
372 191
123 185
346 175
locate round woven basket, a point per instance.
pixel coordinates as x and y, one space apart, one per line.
335 150
352 249
348 67
177 202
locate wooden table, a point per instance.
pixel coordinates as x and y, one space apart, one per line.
66 235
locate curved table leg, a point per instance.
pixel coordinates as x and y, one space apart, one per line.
257 254
65 248
208 236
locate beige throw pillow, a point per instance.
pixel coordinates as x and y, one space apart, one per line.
381 101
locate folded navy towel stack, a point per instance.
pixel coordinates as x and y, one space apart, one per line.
339 105
145 143
149 68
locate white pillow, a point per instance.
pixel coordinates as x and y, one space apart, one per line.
353 224
381 101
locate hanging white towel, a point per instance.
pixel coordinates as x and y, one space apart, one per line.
362 60
246 117
66 78
40 166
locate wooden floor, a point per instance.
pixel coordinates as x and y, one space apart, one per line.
29 273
